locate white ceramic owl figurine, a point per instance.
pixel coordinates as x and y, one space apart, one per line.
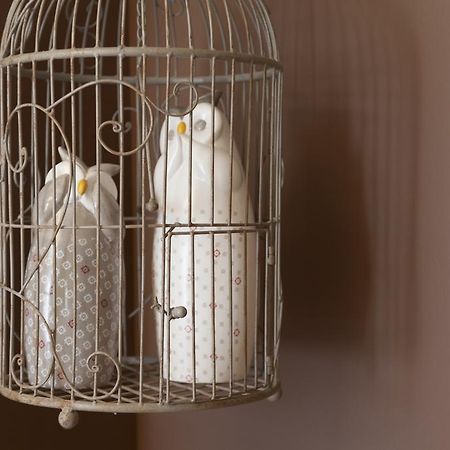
220 334
65 286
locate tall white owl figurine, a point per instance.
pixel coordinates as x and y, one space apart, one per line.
218 331
64 287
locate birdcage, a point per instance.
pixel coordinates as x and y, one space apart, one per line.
140 205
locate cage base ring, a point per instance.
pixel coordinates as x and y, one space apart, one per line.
145 408
132 402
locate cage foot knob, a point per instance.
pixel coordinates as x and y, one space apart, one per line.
68 419
152 205
275 397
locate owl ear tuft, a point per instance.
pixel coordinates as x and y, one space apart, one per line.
63 154
110 169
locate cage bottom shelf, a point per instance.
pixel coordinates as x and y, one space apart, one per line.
134 396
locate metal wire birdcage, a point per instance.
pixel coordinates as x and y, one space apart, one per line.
140 205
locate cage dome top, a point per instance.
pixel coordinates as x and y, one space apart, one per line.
197 28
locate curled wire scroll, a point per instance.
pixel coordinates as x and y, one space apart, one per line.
18 167
18 359
116 125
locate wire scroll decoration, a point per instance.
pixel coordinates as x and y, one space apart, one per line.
19 167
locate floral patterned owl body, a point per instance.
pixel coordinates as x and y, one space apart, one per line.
74 279
212 271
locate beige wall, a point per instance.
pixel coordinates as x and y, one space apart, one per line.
366 257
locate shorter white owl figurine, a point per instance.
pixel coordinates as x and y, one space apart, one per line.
211 273
65 286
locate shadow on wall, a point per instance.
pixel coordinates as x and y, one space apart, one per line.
351 151
350 148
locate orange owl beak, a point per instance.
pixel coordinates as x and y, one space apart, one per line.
82 187
181 128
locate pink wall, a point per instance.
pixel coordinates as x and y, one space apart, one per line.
366 255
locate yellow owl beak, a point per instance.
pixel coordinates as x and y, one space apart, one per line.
82 187
181 128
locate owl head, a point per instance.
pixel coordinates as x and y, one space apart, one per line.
208 126
84 189
85 178
208 123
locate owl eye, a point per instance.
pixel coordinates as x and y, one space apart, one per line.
200 125
171 135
